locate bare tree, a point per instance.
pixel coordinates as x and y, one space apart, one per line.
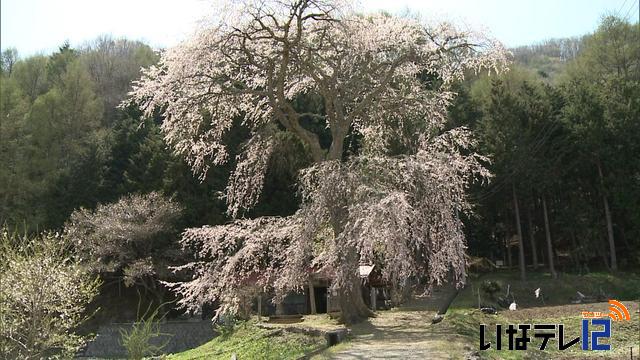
8 58
113 64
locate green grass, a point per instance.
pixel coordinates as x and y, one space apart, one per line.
250 342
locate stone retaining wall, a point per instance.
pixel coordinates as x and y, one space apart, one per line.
180 336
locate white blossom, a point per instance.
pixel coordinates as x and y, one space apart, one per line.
385 79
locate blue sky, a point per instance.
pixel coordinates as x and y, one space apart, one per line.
34 26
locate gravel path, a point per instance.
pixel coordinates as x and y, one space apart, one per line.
405 334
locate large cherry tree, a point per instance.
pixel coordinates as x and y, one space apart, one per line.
382 80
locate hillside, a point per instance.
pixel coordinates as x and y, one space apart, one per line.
548 58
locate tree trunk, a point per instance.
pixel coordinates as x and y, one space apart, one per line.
442 309
532 239
508 249
624 239
352 307
374 298
547 233
259 308
575 253
523 273
312 298
605 260
607 214
543 257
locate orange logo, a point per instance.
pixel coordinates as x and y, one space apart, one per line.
618 312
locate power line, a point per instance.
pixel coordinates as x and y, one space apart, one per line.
633 5
621 7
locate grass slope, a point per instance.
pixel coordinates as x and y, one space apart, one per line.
250 342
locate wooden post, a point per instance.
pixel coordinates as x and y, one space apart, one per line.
328 300
312 297
279 308
259 307
373 298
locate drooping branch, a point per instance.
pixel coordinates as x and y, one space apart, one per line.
383 79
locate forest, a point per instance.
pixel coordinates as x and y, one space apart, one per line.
93 171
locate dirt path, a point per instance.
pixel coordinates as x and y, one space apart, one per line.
406 333
403 335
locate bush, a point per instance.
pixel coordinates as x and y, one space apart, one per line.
137 341
43 295
134 238
490 288
225 324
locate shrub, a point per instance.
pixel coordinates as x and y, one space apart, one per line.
43 295
137 341
490 288
134 238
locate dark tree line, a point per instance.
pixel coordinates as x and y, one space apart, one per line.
565 157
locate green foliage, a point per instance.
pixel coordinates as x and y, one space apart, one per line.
65 145
139 162
602 90
225 324
520 130
138 340
52 123
113 64
59 61
8 58
548 59
43 295
55 135
490 287
31 76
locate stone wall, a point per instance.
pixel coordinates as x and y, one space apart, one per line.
179 335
